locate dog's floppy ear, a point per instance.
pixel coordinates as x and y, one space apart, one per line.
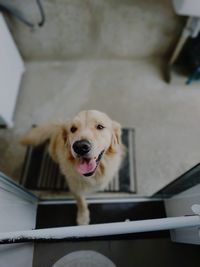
59 134
116 136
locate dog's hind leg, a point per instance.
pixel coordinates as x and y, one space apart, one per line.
83 215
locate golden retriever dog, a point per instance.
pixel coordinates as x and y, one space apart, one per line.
88 150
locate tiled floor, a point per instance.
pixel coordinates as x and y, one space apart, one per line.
165 117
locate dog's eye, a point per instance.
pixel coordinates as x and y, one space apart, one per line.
73 129
100 127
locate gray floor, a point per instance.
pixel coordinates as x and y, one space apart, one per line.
165 117
97 29
123 252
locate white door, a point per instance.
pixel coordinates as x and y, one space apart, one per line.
179 197
11 70
17 212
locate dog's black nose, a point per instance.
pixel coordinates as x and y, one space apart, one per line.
82 147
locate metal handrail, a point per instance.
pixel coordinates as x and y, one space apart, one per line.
96 230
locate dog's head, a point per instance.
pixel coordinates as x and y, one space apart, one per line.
89 136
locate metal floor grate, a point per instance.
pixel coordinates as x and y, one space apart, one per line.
41 173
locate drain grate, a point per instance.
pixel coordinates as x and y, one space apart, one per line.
42 174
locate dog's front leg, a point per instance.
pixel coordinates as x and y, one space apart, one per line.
83 214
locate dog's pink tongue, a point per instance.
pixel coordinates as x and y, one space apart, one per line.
86 166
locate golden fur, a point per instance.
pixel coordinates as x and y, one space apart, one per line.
61 138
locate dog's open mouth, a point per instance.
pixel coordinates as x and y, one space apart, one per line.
88 166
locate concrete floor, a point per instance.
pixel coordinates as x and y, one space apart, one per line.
165 117
109 29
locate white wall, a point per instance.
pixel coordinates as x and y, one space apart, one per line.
180 205
11 70
17 212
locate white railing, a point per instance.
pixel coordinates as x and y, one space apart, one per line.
95 230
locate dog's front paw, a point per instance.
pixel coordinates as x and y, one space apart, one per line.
83 217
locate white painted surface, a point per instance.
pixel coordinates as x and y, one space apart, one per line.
187 7
11 70
101 200
180 205
104 229
17 213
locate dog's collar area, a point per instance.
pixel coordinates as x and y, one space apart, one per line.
97 161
